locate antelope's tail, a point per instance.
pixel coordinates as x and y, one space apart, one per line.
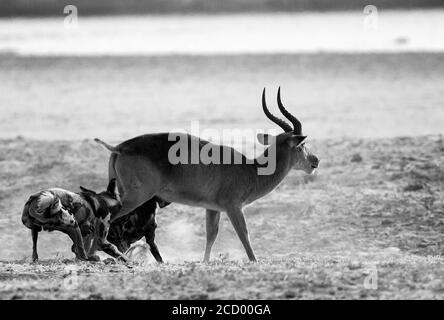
106 145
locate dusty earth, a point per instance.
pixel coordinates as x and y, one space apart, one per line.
368 225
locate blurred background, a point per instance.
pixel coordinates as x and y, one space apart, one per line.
83 68
99 7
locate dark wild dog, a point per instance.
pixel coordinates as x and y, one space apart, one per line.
137 224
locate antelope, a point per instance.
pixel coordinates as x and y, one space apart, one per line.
142 168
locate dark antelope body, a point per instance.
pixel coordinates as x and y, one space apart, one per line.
143 170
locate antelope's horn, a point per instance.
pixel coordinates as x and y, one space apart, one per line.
297 126
281 123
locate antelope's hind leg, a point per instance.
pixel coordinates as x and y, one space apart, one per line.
135 182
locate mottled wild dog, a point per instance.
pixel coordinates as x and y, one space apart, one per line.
143 169
83 216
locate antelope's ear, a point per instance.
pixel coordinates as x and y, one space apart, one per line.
112 187
87 190
296 141
265 139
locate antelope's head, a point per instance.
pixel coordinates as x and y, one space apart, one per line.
291 140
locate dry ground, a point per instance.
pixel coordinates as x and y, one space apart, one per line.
375 209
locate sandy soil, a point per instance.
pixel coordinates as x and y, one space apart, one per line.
374 212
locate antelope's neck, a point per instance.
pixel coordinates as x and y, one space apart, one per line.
264 184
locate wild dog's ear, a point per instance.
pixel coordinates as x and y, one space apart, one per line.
98 205
43 201
265 139
87 190
296 140
112 187
56 206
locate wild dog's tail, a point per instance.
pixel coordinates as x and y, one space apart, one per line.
106 145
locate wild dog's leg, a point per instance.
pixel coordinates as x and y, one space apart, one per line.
76 237
89 248
87 241
237 219
212 222
35 235
149 237
102 228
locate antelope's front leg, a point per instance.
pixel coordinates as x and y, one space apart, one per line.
237 219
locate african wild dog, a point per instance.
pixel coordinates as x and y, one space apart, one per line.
83 216
137 224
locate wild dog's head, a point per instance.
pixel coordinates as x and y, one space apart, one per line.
291 140
46 208
104 202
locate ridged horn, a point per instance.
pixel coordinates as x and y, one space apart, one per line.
281 123
297 126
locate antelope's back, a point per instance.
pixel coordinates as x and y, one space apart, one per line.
150 155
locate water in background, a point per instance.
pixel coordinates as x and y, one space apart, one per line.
413 30
335 95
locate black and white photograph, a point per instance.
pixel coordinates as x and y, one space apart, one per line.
245 151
